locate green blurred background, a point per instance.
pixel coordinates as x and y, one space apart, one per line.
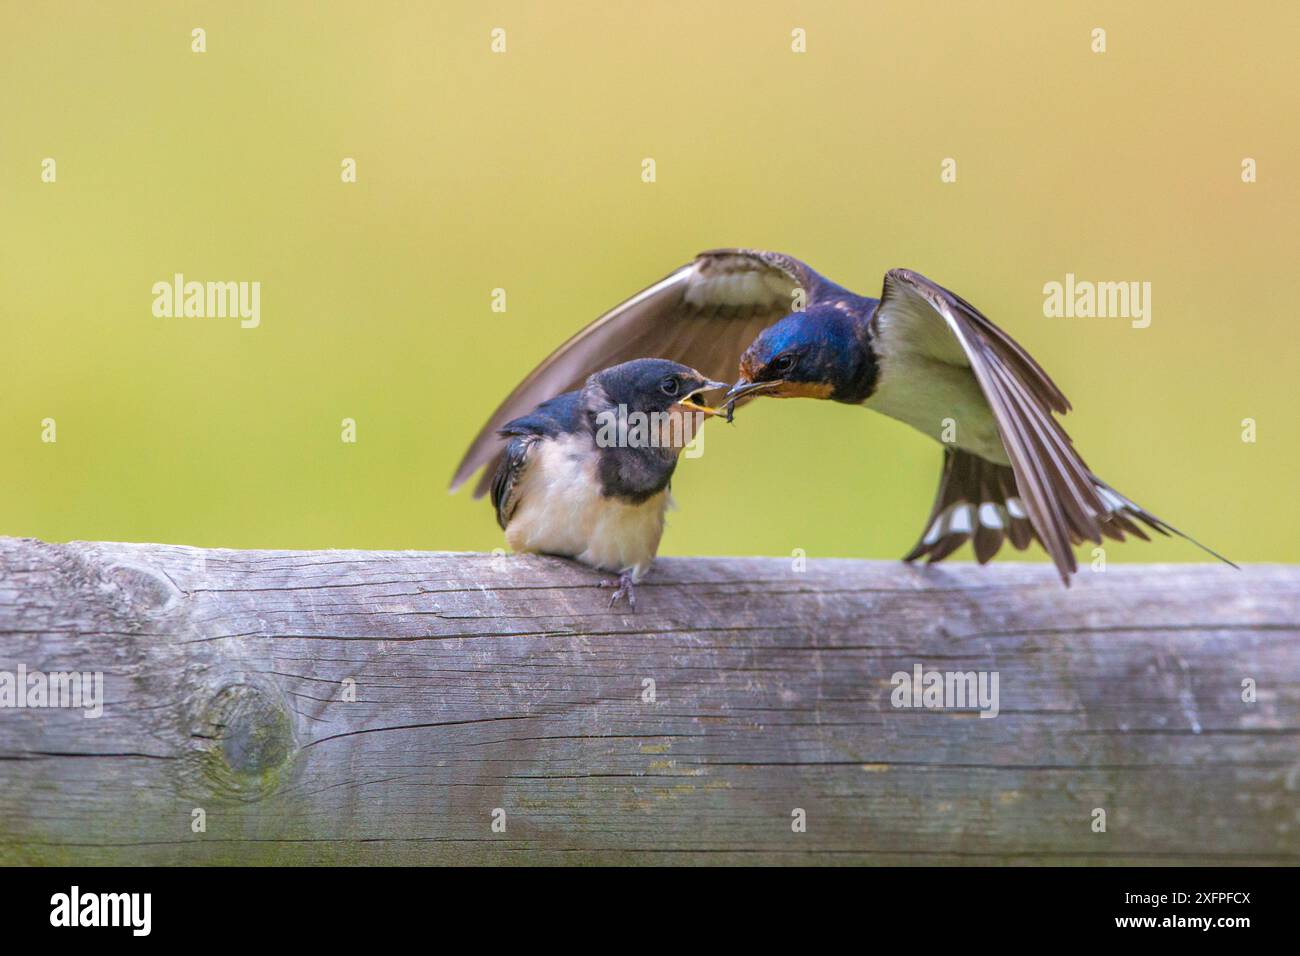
522 171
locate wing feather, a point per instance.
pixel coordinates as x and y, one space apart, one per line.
506 477
1062 501
704 314
1053 482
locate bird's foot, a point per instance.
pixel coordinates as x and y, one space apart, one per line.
625 589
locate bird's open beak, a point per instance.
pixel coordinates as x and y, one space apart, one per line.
744 388
694 403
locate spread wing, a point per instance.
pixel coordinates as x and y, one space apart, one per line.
1050 484
1048 492
704 315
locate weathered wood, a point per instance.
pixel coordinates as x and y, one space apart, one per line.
489 682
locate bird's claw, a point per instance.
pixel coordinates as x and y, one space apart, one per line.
625 589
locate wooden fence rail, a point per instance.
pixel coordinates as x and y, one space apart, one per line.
406 707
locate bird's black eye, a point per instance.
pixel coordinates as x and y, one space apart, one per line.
670 385
783 363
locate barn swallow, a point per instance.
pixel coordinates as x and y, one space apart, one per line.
919 354
586 475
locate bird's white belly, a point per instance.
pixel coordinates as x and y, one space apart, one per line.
940 400
561 511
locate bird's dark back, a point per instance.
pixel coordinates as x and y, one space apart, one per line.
557 416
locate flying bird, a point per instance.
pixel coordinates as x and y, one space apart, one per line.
919 354
586 474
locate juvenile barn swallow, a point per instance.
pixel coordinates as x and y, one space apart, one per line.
586 475
919 354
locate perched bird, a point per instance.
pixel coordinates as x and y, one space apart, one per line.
919 354
586 475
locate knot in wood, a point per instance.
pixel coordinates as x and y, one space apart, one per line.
246 741
147 589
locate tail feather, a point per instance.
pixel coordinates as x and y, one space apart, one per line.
1124 509
978 501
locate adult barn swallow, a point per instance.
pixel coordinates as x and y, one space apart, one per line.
920 354
586 475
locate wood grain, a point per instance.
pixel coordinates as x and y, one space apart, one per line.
485 682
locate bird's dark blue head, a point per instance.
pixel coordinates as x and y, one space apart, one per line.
651 385
643 413
820 353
